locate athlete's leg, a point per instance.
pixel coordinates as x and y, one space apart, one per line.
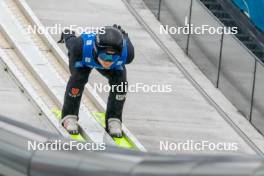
118 81
74 90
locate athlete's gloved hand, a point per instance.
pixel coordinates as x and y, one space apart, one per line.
120 28
65 34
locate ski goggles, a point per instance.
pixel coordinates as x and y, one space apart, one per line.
108 57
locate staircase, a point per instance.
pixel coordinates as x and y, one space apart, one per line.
244 34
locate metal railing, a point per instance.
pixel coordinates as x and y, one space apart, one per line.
15 157
229 65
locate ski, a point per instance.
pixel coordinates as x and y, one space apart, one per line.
123 142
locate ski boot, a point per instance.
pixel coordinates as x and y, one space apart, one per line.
70 123
115 127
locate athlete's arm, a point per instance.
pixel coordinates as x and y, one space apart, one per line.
130 51
74 46
130 47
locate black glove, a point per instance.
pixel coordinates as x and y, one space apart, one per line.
65 34
120 29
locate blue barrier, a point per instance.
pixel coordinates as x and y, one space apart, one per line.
254 9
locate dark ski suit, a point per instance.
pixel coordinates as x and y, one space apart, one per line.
79 77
